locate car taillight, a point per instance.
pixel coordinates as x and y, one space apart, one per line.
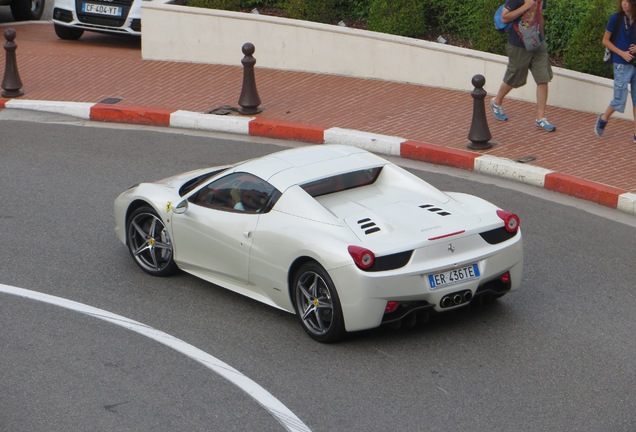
363 258
511 220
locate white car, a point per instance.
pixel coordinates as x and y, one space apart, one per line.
72 17
341 237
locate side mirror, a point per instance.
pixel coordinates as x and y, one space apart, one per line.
181 208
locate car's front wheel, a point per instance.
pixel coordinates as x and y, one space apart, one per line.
27 10
149 242
317 304
68 33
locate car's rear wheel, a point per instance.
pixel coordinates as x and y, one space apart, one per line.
149 242
68 33
317 304
27 10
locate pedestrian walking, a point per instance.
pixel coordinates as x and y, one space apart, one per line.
619 39
527 51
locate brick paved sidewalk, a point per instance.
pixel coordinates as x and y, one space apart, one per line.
101 66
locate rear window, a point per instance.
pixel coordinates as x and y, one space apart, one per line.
341 182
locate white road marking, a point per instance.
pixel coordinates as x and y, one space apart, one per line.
280 412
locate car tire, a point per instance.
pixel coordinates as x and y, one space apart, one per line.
149 242
317 304
68 33
27 10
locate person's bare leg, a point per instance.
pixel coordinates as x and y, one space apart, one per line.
542 100
504 89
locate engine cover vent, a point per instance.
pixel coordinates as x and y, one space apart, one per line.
433 209
368 226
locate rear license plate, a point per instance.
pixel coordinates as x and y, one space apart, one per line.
101 9
453 276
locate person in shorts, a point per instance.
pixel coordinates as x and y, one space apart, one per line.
623 53
525 14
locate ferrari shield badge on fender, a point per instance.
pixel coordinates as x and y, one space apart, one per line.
168 207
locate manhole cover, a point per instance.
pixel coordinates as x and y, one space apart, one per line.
526 159
110 100
222 110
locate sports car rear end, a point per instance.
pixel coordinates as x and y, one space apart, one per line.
431 251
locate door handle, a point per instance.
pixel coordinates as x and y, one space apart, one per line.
247 234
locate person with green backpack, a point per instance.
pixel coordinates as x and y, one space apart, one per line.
619 40
527 51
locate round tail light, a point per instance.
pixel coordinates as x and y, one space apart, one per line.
511 220
362 257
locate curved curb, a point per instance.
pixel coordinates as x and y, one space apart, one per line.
598 193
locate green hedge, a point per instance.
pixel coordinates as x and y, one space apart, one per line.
460 18
398 17
231 5
574 28
485 37
584 50
314 10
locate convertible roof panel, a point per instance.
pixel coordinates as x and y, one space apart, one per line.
304 164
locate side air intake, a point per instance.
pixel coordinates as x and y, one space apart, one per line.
368 226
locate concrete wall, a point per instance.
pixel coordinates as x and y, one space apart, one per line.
186 34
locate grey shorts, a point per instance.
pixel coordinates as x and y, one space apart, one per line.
520 61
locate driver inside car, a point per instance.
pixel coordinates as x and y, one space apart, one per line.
236 197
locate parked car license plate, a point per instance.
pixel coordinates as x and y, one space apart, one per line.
101 9
453 276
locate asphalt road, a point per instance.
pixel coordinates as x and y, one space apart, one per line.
556 355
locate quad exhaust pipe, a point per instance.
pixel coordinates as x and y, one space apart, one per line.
456 299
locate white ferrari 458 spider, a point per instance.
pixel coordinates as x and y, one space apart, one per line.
341 237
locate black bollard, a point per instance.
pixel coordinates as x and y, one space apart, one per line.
249 100
479 134
11 83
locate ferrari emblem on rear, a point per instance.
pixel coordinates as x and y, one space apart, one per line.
451 248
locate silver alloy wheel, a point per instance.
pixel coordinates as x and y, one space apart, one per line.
314 303
149 243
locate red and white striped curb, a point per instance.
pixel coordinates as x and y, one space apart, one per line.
395 146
